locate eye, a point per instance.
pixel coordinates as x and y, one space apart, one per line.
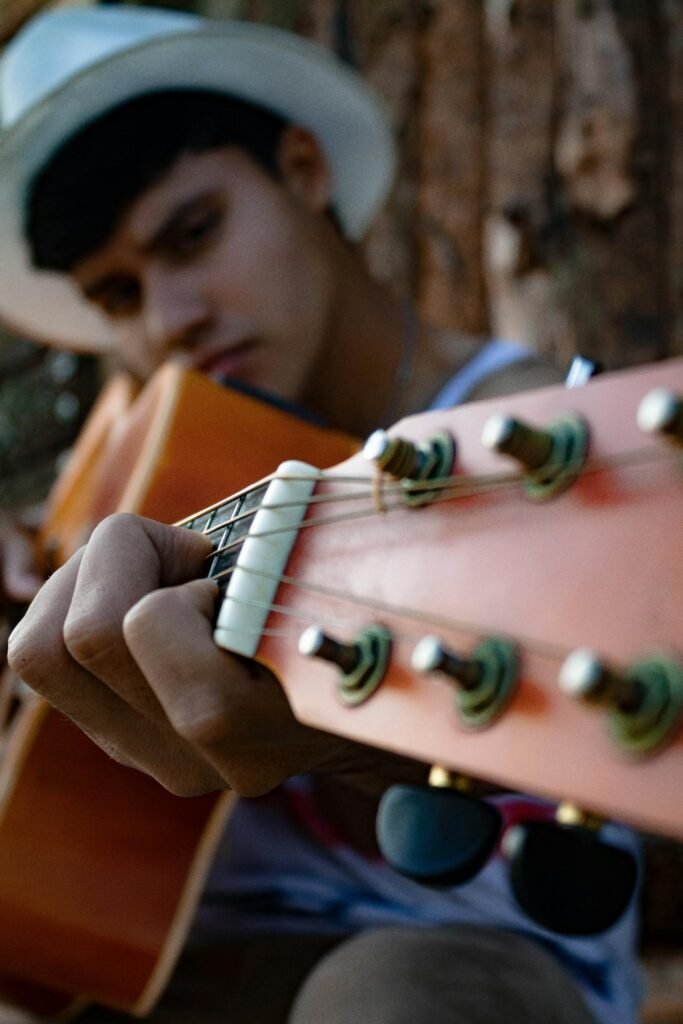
196 229
118 297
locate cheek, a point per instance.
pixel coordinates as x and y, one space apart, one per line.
269 261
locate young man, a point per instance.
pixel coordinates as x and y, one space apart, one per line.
174 189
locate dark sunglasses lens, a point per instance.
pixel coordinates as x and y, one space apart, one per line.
567 879
437 836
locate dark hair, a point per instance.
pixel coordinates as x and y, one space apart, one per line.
77 198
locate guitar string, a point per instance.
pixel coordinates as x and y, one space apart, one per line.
450 488
648 454
542 648
455 489
390 486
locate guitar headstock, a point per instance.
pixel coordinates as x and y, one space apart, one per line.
492 570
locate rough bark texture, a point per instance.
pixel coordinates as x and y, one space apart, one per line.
451 166
540 186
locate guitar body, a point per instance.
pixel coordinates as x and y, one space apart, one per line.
180 444
100 868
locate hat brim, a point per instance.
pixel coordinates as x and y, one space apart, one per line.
278 70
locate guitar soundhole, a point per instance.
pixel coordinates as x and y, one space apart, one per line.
227 525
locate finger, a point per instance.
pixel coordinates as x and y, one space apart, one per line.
230 709
38 654
126 558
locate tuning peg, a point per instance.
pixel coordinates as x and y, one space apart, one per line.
661 412
362 663
437 834
644 701
314 643
565 877
485 681
412 463
550 458
585 676
527 445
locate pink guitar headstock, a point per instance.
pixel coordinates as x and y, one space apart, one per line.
508 572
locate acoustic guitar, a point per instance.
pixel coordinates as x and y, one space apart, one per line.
101 868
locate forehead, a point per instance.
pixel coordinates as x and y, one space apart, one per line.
190 178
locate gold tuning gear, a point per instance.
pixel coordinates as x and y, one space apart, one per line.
529 446
414 464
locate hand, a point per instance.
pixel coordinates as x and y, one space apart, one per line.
120 640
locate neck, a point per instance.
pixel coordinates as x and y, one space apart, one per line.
365 366
378 363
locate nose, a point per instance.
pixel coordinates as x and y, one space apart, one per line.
174 312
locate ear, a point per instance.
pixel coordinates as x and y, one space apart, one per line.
304 168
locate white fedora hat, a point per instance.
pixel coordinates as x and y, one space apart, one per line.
68 67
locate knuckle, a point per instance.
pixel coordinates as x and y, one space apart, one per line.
188 787
36 654
111 749
117 522
185 773
202 718
88 637
148 612
26 657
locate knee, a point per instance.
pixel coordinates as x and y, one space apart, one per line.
367 978
437 975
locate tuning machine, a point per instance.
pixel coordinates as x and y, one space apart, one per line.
565 876
362 663
551 458
644 701
484 681
661 413
419 466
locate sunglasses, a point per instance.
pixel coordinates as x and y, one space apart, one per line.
565 877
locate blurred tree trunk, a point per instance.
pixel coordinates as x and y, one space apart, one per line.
540 192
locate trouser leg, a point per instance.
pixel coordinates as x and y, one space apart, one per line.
450 975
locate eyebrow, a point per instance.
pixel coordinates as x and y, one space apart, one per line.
95 289
174 220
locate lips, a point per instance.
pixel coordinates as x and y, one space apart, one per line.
229 362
